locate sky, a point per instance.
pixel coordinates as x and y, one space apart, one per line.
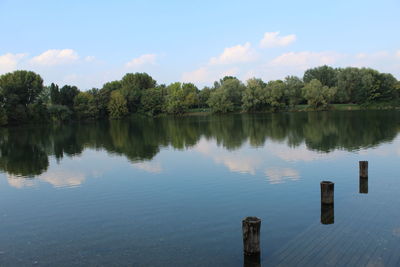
88 43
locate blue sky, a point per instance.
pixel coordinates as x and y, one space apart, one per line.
87 43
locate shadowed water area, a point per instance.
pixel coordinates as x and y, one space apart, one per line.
173 191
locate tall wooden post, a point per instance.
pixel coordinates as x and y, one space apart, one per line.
327 192
363 169
251 236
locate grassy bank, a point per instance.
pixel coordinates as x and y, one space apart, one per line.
300 108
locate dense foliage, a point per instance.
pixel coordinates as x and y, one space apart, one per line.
23 98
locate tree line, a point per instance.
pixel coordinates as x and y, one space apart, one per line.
24 98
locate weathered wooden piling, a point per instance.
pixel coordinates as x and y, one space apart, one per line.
363 169
327 190
327 214
251 236
363 185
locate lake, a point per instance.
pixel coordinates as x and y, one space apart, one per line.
173 191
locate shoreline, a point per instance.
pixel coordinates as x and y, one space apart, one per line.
208 112
297 108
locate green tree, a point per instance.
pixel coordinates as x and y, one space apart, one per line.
228 93
233 88
67 95
294 86
112 86
85 106
387 88
132 86
59 113
318 95
117 107
44 96
254 96
276 94
325 74
3 116
175 99
204 95
19 89
38 111
103 96
152 101
190 92
55 97
220 102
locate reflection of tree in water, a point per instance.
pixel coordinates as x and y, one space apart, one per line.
326 131
25 150
227 130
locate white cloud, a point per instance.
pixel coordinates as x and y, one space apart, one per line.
197 76
235 54
142 60
278 175
207 74
230 72
72 78
272 39
383 60
374 56
89 58
54 57
9 62
305 59
295 63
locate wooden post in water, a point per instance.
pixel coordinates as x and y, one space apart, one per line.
327 190
251 236
363 169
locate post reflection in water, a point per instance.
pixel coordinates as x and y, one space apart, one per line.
327 214
363 185
252 261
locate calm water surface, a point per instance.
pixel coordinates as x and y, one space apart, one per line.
173 191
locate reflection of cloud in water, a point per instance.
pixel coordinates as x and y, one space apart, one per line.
55 178
204 146
280 175
152 167
238 163
19 182
63 178
383 150
300 153
234 161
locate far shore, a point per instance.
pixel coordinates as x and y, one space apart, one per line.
300 108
